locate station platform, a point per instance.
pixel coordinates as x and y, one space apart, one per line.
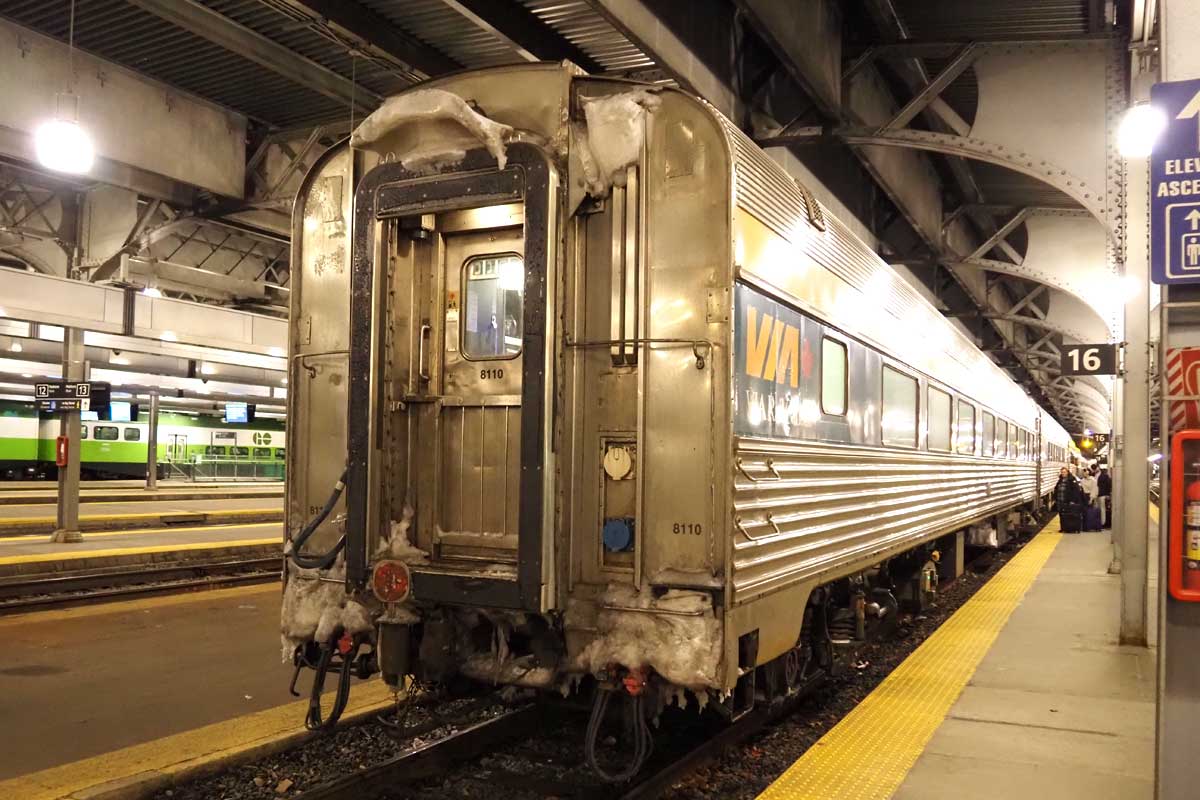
210 686
38 518
41 492
22 556
1024 692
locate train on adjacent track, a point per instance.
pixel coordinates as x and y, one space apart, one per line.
588 391
115 449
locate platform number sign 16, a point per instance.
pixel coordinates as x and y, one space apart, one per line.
1089 359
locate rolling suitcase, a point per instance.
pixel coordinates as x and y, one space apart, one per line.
1070 518
1091 518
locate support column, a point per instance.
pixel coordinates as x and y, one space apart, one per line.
74 369
1178 622
1135 409
152 444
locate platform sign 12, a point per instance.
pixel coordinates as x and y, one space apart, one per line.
1175 185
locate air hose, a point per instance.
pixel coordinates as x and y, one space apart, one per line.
325 560
643 741
314 721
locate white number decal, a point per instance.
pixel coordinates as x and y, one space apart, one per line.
1091 359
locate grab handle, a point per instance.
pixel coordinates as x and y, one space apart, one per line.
422 368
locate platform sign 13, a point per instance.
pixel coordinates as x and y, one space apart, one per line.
1175 185
1089 359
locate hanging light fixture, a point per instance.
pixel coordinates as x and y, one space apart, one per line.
62 144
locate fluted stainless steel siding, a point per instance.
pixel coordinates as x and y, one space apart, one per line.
835 509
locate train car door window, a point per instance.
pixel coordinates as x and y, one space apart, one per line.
833 377
939 420
966 428
492 306
989 434
900 400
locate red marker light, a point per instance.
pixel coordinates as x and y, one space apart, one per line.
391 581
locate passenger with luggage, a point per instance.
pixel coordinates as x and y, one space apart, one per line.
1068 502
1091 491
1104 483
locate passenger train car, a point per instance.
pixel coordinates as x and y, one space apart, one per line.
614 399
118 449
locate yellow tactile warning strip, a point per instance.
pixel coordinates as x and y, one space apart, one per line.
131 606
24 538
144 768
128 551
10 522
869 753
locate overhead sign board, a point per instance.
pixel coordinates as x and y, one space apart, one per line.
1175 185
71 396
1089 359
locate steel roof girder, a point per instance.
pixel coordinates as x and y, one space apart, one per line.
206 23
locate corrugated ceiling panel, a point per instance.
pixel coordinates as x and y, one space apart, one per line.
578 22
440 26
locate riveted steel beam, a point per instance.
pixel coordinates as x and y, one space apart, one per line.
206 23
524 31
957 66
966 147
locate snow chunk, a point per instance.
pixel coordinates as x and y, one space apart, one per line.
398 545
677 635
315 605
613 139
448 127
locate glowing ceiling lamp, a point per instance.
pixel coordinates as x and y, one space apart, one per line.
62 144
1140 127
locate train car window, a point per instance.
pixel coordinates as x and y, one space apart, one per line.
1012 440
989 434
106 433
214 450
899 420
1001 437
493 317
833 377
280 453
83 431
939 420
262 452
133 435
966 428
239 451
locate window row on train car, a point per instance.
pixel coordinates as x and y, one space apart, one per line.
900 412
111 433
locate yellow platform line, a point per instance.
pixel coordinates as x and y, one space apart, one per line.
9 522
136 605
26 538
868 754
128 551
145 768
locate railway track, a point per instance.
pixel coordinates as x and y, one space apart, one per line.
530 738
39 592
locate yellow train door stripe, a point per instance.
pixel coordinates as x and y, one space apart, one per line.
868 754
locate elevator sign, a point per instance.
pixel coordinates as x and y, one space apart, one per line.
1175 185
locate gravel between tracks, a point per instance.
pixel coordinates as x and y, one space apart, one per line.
532 768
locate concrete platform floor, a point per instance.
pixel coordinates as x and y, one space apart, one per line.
86 681
108 507
1057 709
22 549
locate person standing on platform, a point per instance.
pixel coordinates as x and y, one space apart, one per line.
1104 484
1068 502
1091 491
1090 486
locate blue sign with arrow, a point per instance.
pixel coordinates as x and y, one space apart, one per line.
1175 185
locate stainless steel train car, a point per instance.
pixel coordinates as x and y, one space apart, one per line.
613 398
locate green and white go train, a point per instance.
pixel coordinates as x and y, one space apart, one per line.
118 449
